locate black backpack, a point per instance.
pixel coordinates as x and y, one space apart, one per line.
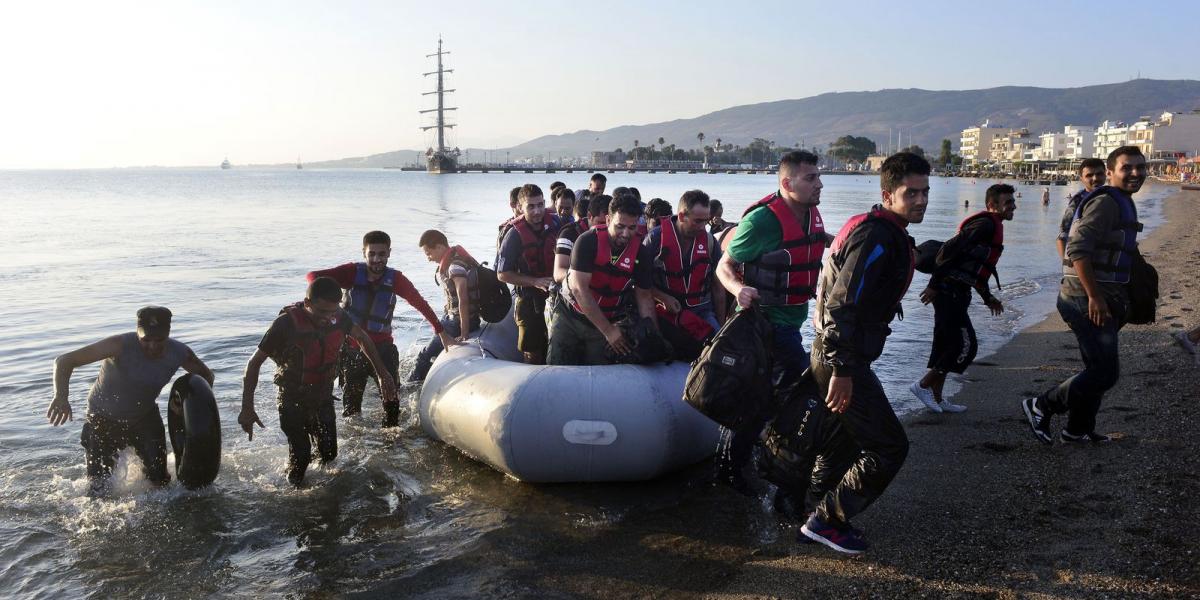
927 254
495 300
731 381
1143 291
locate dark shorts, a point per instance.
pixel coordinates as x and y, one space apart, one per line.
104 437
530 314
306 416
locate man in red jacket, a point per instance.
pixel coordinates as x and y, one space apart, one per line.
373 288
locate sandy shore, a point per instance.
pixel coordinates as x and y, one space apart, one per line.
981 509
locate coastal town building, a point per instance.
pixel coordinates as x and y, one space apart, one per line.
1110 135
1174 135
975 144
1074 142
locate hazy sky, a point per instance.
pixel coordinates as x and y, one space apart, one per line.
98 84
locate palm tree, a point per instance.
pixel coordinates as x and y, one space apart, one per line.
661 141
700 136
718 144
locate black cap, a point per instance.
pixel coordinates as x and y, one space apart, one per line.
154 321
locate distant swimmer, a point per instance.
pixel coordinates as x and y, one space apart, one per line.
122 410
372 288
303 342
967 260
966 204
1045 196
1094 300
1091 174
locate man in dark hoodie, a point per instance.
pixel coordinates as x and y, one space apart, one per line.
866 273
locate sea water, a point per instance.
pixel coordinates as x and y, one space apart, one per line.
81 251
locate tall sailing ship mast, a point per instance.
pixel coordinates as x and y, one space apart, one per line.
440 159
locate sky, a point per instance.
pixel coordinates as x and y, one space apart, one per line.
110 84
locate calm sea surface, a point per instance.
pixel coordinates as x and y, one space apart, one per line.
80 251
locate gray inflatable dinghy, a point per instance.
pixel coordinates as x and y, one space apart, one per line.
562 424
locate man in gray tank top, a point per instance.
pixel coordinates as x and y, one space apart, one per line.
122 407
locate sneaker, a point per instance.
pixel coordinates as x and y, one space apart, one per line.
950 407
842 538
1038 422
1185 341
925 396
1093 437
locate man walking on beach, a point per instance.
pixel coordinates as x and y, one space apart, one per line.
527 261
373 288
967 260
774 259
1091 174
1094 299
867 272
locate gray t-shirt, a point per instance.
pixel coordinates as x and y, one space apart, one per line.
129 383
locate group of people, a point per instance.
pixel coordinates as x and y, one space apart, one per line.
613 270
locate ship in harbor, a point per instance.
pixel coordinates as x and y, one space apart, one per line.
225 164
439 158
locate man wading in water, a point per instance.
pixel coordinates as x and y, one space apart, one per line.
121 407
303 341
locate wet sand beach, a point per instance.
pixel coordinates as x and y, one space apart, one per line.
981 509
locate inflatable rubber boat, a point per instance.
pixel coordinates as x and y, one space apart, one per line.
560 423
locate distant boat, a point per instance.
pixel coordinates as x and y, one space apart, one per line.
225 164
299 165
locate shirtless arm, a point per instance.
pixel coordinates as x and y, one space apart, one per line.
59 411
248 417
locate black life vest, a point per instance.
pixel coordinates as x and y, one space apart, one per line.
370 306
978 263
788 275
1112 257
690 287
610 281
318 348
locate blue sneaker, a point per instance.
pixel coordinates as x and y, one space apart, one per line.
1039 422
841 537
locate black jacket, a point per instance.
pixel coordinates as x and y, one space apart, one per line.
862 282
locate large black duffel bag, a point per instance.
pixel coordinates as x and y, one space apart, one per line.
731 380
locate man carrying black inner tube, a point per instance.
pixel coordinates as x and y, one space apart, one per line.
121 406
304 342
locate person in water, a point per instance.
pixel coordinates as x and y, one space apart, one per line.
1091 175
457 273
122 408
373 288
866 274
527 262
965 262
608 262
774 259
1094 300
303 342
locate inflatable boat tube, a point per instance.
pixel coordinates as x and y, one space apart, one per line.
195 431
562 424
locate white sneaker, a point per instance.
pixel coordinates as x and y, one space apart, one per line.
950 407
925 396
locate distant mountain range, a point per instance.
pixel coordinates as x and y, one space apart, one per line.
924 117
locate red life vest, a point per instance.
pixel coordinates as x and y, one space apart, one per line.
319 347
691 287
537 249
877 212
611 281
788 275
979 263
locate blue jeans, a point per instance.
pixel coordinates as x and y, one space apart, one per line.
434 347
789 360
1080 395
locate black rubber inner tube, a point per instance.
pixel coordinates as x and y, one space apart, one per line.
194 427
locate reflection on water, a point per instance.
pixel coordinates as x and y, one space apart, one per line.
397 513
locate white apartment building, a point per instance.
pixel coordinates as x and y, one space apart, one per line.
1110 135
1174 134
1074 142
975 145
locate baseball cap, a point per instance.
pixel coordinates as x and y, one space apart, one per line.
154 321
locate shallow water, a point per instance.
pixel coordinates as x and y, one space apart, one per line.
82 250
